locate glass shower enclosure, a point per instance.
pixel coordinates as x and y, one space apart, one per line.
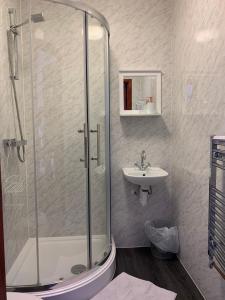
57 202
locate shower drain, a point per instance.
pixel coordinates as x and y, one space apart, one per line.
77 269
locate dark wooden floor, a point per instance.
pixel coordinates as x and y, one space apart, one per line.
170 275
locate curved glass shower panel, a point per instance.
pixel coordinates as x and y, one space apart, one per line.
57 224
59 118
98 122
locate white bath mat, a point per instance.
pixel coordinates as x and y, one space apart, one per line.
126 287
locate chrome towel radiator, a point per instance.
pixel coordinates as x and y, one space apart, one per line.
216 224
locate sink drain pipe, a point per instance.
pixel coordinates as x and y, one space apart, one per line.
145 194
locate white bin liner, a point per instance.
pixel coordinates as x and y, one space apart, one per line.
165 238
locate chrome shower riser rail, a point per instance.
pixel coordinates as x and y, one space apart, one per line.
13 58
12 30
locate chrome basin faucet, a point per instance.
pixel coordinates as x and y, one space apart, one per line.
142 166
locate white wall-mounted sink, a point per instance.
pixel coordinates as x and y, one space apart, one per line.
151 176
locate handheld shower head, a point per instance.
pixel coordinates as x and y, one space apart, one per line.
36 18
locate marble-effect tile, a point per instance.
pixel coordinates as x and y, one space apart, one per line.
197 112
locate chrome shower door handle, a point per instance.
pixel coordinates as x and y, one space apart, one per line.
98 132
85 159
98 145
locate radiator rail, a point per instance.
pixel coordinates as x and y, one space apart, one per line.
216 224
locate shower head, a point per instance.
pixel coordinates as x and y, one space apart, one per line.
36 18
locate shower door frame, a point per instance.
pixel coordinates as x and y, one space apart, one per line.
90 11
102 21
85 9
87 149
